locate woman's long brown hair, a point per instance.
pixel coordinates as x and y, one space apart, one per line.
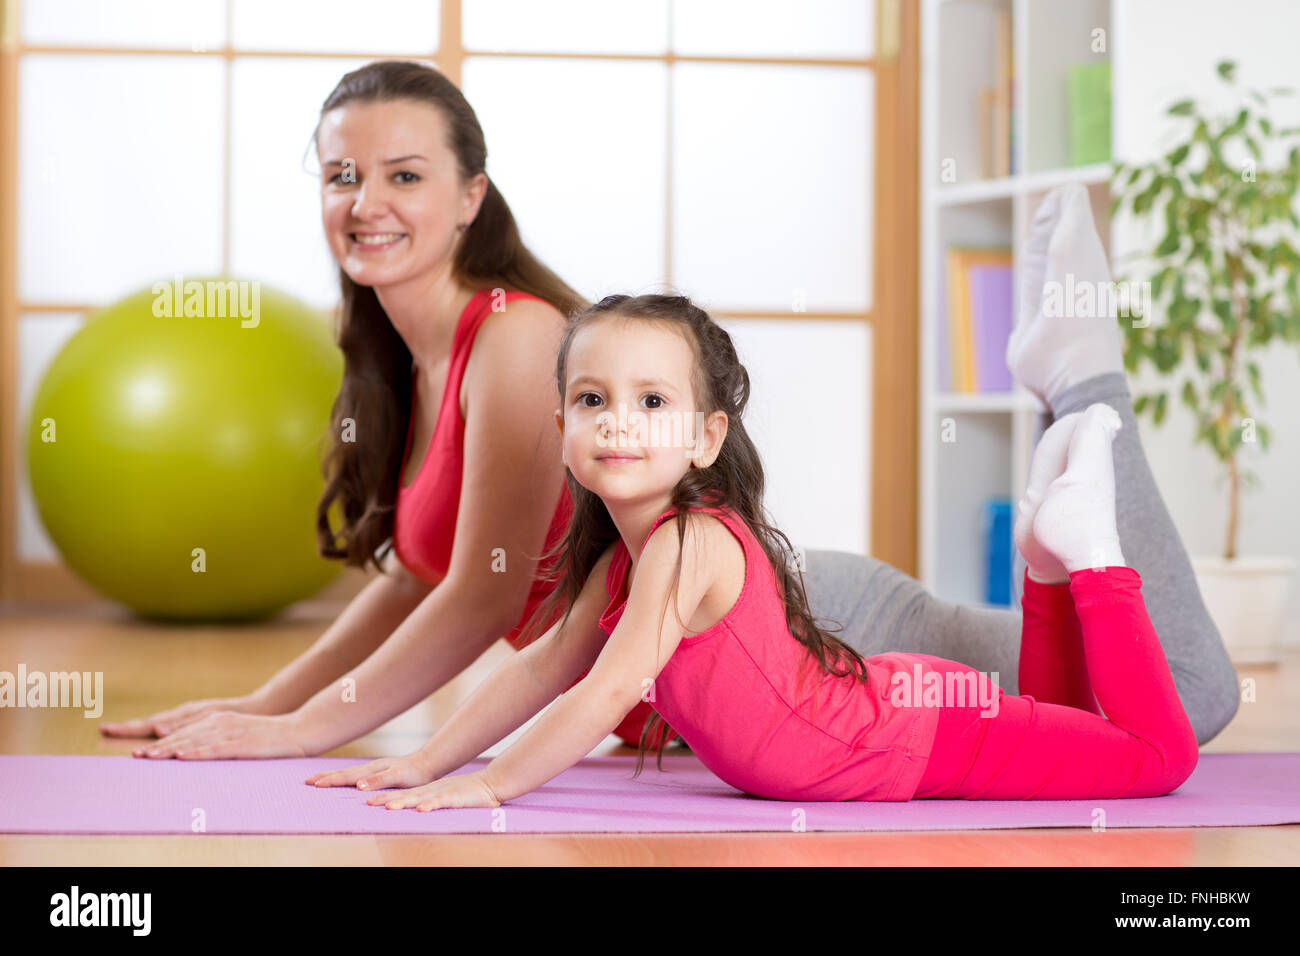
734 479
363 475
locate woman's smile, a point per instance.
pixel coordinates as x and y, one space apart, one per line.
376 241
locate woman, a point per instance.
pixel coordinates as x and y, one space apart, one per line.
409 273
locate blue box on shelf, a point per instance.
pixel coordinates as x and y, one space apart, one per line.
999 551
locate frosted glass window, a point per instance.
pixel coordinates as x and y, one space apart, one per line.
119 172
817 465
275 216
343 26
566 26
40 338
576 147
772 186
192 25
842 29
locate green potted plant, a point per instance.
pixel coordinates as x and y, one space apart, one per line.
1221 284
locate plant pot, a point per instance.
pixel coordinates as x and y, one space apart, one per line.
1246 598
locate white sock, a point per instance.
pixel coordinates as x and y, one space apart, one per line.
1054 346
1047 464
1076 521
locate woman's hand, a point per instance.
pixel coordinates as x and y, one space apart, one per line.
386 772
224 735
166 721
462 790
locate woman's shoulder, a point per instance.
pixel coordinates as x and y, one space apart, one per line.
521 321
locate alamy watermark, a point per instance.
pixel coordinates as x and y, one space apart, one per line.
931 688
638 429
84 689
209 298
1090 299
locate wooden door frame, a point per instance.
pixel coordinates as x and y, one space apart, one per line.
893 315
895 400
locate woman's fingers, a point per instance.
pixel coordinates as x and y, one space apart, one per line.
226 734
140 727
160 724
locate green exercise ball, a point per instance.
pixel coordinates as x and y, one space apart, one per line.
174 449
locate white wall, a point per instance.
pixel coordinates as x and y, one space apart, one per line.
1165 50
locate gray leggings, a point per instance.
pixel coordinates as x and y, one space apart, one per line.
882 609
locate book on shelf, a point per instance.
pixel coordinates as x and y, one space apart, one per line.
973 341
996 107
1088 86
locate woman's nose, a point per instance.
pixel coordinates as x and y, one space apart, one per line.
370 198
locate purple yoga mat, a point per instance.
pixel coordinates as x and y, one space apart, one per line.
49 794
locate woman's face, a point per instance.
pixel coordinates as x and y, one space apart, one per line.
391 194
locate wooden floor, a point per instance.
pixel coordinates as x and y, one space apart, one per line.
148 667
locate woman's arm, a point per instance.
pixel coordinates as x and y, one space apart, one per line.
512 479
365 623
513 476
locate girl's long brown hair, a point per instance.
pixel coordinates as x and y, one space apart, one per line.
363 476
734 479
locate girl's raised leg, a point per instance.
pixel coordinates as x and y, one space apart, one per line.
882 608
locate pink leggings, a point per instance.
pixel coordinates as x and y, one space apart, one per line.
1084 643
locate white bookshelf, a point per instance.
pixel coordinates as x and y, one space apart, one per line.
993 431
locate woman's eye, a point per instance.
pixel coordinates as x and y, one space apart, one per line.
414 178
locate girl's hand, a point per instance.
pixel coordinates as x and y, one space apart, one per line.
381 774
164 722
224 734
462 790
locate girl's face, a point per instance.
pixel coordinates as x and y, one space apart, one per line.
629 421
391 195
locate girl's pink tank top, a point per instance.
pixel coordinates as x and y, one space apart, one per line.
424 527
734 693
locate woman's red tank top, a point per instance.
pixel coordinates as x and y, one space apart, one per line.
424 527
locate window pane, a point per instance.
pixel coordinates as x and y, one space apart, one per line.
193 25
817 466
275 217
120 172
775 28
40 338
772 176
325 26
566 26
576 148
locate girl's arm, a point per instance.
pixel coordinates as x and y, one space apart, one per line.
635 653
514 692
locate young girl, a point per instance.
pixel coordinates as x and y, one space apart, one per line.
653 397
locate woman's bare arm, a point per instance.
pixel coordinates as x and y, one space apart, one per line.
368 620
513 476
